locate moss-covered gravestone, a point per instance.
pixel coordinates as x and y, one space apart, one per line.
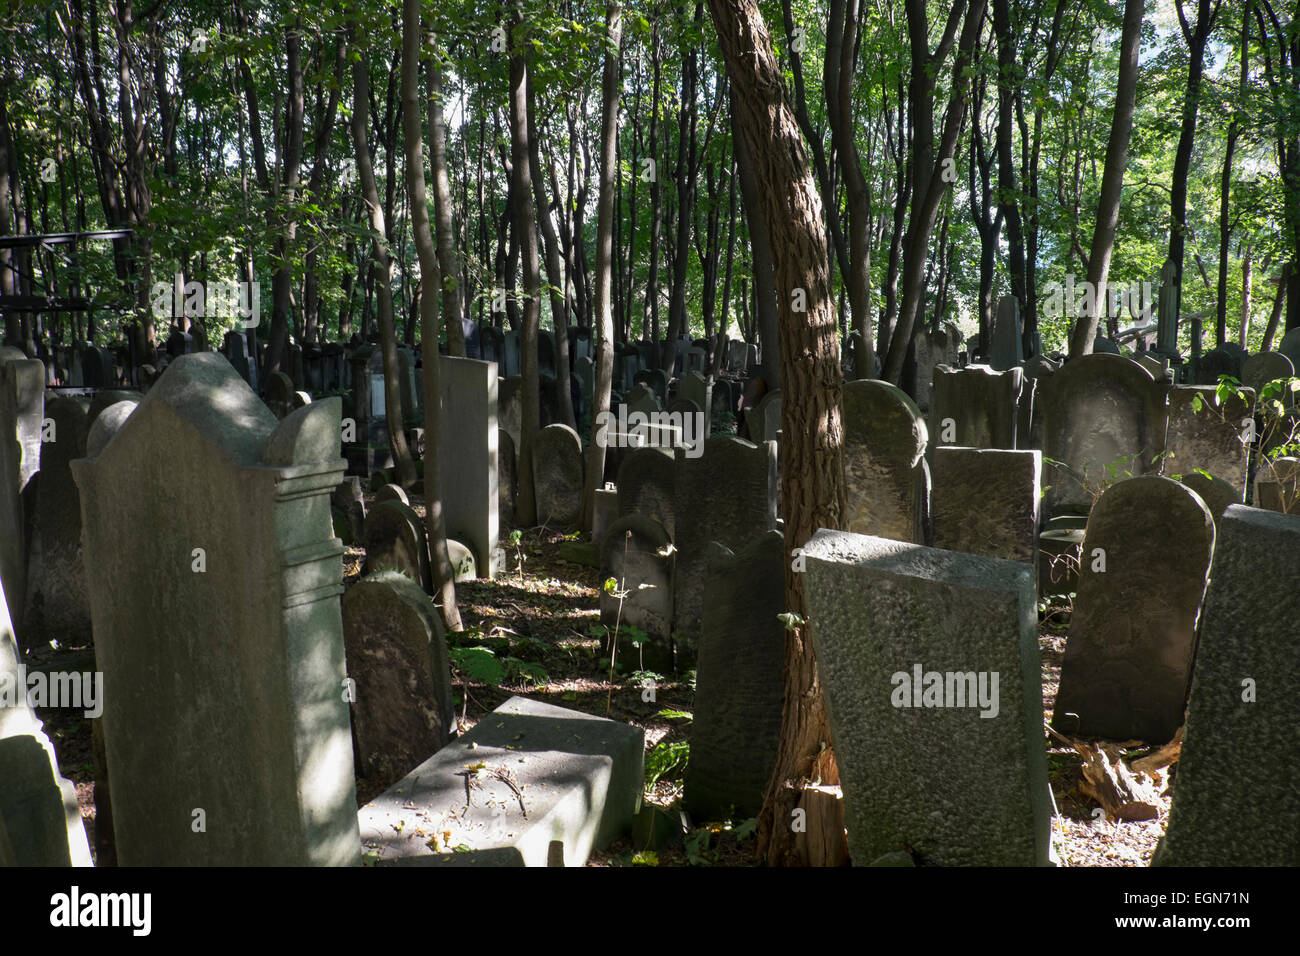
214 579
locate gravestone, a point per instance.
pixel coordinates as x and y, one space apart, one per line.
635 553
886 481
647 485
395 541
764 419
694 387
349 501
604 514
1167 313
225 617
1099 412
1128 660
56 581
739 680
557 475
22 408
507 477
279 394
402 711
978 407
1264 367
727 495
736 356
1290 347
931 349
958 777
1277 486
1215 492
655 380
468 457
546 353
552 784
1209 438
1235 796
584 370
391 493
642 399
514 361
985 501
40 823
510 407
1006 347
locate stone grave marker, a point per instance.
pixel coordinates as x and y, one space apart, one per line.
634 552
22 409
1006 347
930 665
226 615
468 457
886 479
985 501
1264 367
57 608
647 483
1208 438
1235 795
1098 411
1277 485
507 477
978 407
395 541
727 495
1128 660
557 476
739 680
402 711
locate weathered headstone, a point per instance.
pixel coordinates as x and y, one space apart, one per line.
634 552
739 680
985 501
1290 347
977 407
506 477
349 501
1006 347
930 665
931 350
1100 413
1235 801
557 475
1128 660
22 408
549 783
401 700
647 482
1215 492
886 481
1277 485
395 541
1206 433
764 419
468 457
727 495
56 580
224 617
1264 367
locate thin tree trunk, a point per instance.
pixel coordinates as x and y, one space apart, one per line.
453 308
434 519
610 81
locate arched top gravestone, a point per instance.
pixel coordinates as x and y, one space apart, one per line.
884 461
1100 412
647 485
1263 367
214 579
1142 576
557 475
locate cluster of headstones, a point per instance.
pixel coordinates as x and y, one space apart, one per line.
196 527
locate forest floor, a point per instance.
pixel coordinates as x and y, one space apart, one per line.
543 623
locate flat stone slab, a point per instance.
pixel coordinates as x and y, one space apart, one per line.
579 779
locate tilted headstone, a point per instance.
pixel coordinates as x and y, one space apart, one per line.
985 501
557 475
977 407
1101 413
647 485
739 680
227 612
1235 799
401 700
1128 660
1007 347
727 495
1206 433
396 541
22 409
886 480
349 501
468 456
57 608
930 665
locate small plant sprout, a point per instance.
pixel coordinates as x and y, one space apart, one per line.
516 539
618 590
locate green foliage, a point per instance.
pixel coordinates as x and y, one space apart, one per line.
666 760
